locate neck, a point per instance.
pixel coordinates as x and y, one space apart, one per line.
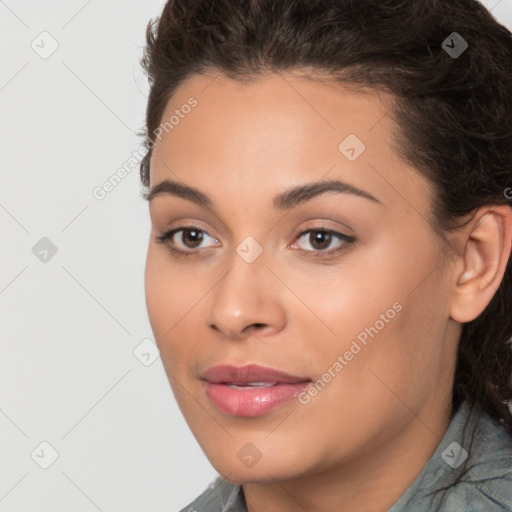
372 480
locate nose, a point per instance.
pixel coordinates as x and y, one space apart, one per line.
247 301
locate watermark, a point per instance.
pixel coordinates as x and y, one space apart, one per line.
44 455
454 455
146 352
508 193
249 455
44 250
175 119
454 45
44 45
351 147
249 249
100 192
356 347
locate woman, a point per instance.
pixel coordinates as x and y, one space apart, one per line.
328 276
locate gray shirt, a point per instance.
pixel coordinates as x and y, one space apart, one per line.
470 471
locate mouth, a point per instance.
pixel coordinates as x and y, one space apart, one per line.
251 390
249 385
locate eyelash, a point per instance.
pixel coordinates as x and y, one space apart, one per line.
348 241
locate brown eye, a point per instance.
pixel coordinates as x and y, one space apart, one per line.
191 238
320 240
185 241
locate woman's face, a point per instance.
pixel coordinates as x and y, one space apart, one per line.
356 310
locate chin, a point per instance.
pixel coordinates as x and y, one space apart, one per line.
263 474
267 467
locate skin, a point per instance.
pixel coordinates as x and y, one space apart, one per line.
386 411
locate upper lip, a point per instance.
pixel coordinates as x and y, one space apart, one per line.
250 373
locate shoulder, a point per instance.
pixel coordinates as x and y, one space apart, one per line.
470 471
486 480
219 496
483 481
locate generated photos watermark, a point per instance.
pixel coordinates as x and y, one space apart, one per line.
357 345
100 192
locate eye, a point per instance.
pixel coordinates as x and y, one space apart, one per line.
191 238
322 238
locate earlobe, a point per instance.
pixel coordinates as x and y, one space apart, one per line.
483 262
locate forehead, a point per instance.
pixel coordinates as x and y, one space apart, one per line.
277 131
273 110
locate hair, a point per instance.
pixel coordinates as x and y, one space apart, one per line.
453 113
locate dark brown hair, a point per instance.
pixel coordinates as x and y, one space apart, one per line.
453 113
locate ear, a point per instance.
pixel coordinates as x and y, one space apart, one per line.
487 245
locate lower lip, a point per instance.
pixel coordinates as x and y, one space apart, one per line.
254 401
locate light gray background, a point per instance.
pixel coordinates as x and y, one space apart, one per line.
70 325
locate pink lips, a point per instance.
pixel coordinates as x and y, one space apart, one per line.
251 390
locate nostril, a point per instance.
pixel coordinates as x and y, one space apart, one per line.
257 326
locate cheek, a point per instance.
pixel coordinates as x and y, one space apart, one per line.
342 301
173 301
166 296
404 358
158 301
384 313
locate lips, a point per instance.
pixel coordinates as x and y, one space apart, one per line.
251 390
253 373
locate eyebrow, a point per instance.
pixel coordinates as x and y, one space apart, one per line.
283 201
